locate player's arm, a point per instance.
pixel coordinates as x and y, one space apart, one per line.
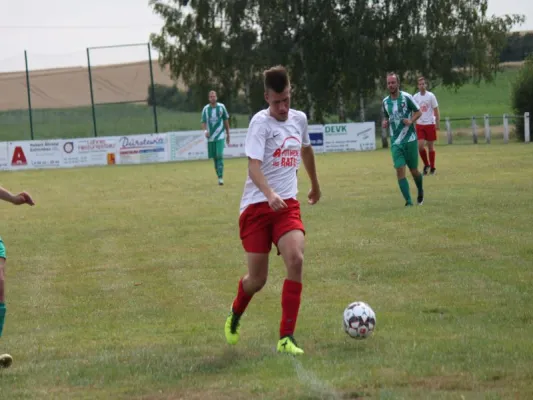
204 123
21 198
385 122
308 158
225 117
436 111
415 111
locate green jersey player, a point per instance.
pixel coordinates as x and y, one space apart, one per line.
21 198
215 121
401 112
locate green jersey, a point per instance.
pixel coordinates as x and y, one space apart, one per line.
396 110
214 118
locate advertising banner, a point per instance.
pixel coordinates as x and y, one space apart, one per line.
90 151
141 149
35 154
184 146
350 137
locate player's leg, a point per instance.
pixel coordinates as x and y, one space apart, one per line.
211 153
412 164
288 235
431 138
5 359
420 133
256 237
398 159
219 160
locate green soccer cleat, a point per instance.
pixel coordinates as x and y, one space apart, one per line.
231 329
5 361
288 345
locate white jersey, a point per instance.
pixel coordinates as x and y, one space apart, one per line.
427 103
277 144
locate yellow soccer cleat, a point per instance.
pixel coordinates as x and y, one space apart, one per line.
5 361
288 345
231 329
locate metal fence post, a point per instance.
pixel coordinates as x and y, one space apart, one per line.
527 135
92 91
29 93
505 128
487 128
474 130
153 89
449 130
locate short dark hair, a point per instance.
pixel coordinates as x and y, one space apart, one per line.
276 78
395 75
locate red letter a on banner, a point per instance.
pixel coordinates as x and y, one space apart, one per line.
18 157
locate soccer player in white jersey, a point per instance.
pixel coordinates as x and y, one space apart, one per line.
276 141
18 199
214 120
427 125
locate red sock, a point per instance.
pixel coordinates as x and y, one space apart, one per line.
290 304
241 301
432 158
424 156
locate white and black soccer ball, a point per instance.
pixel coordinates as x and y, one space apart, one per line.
359 320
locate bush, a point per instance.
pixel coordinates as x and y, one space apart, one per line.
522 96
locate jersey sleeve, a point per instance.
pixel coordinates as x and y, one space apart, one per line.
254 144
412 104
225 115
385 112
204 119
434 102
306 141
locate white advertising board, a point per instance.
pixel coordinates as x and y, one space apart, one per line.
140 149
190 145
90 151
350 137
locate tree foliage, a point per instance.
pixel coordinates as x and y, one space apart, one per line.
337 51
522 96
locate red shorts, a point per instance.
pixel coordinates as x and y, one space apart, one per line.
260 226
426 132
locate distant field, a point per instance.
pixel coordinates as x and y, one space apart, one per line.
116 119
111 120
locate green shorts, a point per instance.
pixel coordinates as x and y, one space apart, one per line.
215 149
405 154
2 249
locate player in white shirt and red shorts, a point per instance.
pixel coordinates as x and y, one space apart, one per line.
427 125
276 141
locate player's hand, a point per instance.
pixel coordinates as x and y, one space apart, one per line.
313 196
406 122
385 124
275 202
207 134
23 198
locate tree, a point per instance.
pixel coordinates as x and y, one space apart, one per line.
338 51
522 96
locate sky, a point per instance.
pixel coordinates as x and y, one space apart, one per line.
56 33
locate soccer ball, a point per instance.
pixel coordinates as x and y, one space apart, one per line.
359 320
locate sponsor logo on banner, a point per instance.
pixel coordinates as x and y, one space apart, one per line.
236 146
140 149
316 135
86 152
4 156
350 137
35 154
187 146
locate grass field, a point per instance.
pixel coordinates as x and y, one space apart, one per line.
117 119
120 279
